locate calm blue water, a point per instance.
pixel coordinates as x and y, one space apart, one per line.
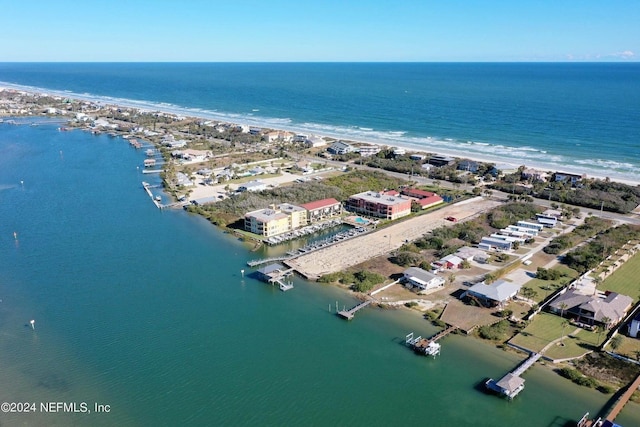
578 117
146 311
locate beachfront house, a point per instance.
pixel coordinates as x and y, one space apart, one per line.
368 150
379 205
440 160
568 177
592 309
341 147
494 294
313 141
468 165
321 210
417 278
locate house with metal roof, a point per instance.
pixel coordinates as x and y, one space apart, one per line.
422 280
496 293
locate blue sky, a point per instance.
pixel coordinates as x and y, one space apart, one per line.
315 30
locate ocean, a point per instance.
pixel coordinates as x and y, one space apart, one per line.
147 311
575 117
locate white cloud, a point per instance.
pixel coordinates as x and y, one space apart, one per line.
626 54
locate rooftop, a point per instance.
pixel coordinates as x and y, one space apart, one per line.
318 204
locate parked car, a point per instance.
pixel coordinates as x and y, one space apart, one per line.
452 219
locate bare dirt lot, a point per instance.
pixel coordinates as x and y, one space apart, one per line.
355 251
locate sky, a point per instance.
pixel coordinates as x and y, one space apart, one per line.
319 30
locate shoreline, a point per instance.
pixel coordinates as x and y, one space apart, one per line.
400 139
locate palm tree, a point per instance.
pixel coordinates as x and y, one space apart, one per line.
563 306
606 322
564 324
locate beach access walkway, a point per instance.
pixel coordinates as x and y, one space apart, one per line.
380 242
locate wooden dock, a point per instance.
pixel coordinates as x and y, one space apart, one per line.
623 400
428 346
512 383
350 314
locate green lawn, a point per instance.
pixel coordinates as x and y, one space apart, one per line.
543 329
630 347
547 327
546 287
625 280
575 345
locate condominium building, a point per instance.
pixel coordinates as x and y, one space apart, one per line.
379 205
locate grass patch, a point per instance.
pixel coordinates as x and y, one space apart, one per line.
541 331
574 345
543 288
629 347
625 279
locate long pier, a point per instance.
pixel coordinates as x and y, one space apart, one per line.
623 400
256 262
350 314
147 187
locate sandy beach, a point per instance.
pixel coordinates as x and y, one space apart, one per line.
432 146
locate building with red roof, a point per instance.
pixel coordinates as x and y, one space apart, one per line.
426 199
320 210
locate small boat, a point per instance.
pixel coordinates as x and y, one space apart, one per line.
158 198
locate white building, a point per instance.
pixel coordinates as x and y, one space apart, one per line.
422 280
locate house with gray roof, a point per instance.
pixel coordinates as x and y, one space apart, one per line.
493 294
593 309
422 280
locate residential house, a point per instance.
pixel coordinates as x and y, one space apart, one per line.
534 174
468 165
255 185
448 262
439 160
341 147
379 205
496 293
570 177
182 179
490 243
531 225
634 327
422 280
368 150
593 309
315 141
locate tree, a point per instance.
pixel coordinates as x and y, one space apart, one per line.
563 306
616 342
528 292
564 324
606 321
